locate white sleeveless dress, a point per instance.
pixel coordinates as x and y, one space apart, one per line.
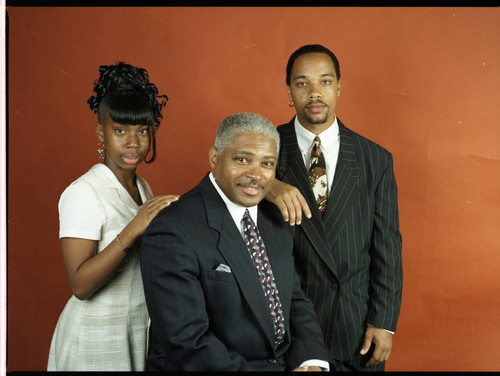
108 331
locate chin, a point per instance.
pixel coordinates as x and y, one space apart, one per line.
318 121
250 202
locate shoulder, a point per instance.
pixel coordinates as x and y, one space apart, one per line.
186 217
188 208
287 128
362 144
273 214
85 186
271 211
98 176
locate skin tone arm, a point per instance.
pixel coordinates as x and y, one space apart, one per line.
88 271
383 345
290 202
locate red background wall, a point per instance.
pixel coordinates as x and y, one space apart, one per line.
423 82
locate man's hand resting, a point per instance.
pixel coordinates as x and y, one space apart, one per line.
290 202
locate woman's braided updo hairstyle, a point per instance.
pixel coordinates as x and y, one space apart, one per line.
125 94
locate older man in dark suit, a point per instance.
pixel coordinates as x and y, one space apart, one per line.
348 253
218 271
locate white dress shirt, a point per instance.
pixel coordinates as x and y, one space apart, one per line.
330 146
237 211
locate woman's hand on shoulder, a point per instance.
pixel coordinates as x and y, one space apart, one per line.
150 209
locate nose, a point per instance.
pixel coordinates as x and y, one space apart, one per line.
254 171
314 91
132 140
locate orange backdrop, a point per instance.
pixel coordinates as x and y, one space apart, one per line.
422 82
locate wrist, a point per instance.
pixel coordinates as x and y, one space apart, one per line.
125 248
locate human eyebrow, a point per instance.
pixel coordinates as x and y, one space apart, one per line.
244 152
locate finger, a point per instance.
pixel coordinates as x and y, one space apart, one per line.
366 343
304 206
283 209
153 207
296 209
372 362
164 197
163 203
290 207
377 357
161 200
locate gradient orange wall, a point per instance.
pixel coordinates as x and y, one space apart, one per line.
422 82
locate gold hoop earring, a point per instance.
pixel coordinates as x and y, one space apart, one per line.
100 150
290 103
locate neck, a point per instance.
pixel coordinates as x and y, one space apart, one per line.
316 128
125 177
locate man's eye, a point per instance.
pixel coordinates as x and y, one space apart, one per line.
240 159
326 82
301 84
268 164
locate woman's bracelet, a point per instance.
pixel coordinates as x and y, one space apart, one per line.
125 249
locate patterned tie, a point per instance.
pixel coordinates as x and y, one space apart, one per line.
257 250
317 175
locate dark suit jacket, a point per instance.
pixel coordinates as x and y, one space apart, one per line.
349 260
203 319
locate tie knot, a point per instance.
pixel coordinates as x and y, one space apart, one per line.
246 215
317 140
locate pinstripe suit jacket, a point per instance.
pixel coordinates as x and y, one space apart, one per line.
349 260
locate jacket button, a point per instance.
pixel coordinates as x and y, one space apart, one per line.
273 360
334 286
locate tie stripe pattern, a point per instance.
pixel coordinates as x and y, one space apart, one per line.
317 175
257 250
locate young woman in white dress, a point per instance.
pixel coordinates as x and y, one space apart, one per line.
102 215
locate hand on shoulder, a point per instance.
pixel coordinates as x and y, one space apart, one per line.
290 202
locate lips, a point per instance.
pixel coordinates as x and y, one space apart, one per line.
316 107
131 159
251 190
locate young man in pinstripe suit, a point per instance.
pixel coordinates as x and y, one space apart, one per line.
348 255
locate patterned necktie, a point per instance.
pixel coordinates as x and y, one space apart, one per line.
257 250
317 175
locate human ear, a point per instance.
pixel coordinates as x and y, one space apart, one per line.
290 99
213 156
99 131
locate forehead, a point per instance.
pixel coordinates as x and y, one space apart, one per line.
108 121
313 63
253 143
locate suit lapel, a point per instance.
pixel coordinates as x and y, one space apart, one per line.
293 172
278 257
345 184
232 247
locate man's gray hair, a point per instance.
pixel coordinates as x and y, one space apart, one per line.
244 122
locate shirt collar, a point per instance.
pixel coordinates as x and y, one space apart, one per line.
235 210
305 138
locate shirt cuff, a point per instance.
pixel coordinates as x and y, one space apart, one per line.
318 363
382 329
